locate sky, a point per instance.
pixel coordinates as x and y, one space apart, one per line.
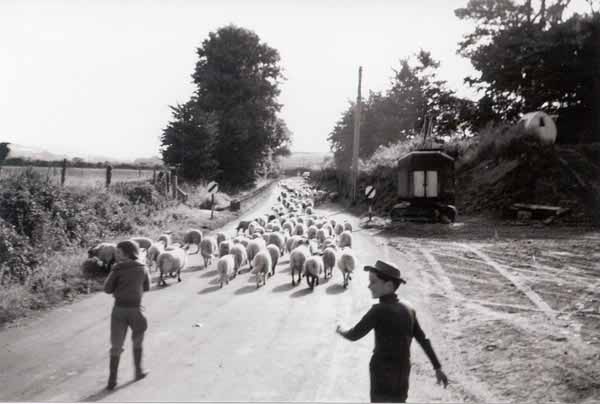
98 77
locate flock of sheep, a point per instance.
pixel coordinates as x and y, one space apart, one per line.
314 243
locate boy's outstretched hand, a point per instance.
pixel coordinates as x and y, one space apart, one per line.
338 329
441 377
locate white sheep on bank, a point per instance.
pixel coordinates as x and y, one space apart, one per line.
226 268
208 248
262 266
297 258
171 262
240 254
329 260
192 237
312 268
345 239
347 264
105 252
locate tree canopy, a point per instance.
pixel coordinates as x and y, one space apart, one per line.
234 110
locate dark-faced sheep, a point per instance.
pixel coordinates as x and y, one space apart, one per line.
105 252
192 237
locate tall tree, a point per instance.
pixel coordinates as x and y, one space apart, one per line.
189 142
237 78
531 59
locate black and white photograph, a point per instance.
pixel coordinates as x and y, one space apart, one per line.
321 201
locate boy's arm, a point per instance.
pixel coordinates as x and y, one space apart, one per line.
362 328
111 281
425 344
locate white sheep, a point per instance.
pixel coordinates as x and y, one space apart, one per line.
312 231
345 239
192 236
312 268
297 258
347 226
254 246
339 229
165 239
105 252
241 240
208 248
262 266
143 242
240 254
226 268
347 264
279 240
171 262
321 236
152 254
333 223
329 260
224 248
221 237
275 253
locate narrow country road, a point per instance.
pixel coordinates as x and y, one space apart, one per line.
239 343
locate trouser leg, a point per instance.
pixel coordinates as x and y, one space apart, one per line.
138 325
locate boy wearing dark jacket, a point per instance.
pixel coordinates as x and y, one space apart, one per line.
127 281
395 325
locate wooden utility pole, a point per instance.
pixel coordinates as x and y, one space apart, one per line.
357 111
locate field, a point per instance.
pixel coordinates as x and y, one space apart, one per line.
80 177
303 160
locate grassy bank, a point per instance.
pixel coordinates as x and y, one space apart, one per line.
45 232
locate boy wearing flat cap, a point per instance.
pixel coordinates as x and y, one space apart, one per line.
395 325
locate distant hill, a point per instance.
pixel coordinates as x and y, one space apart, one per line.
304 160
36 153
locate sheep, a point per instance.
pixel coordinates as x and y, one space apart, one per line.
192 236
265 236
288 226
332 222
275 253
106 252
171 262
310 222
277 239
251 227
300 229
152 254
165 239
241 257
329 260
321 236
262 265
312 268
261 221
208 248
339 229
347 226
289 243
345 239
224 248
253 248
346 264
328 229
312 232
143 242
226 268
297 258
241 240
309 210
243 226
221 237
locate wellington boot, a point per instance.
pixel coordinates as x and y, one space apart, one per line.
114 367
137 361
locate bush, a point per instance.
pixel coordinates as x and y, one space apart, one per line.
138 192
17 258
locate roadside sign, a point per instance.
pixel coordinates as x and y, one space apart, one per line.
370 192
213 187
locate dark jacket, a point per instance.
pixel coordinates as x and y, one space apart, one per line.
127 281
395 325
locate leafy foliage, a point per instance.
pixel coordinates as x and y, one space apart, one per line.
415 95
531 59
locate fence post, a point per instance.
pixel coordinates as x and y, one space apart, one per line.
168 183
108 175
174 187
63 172
154 176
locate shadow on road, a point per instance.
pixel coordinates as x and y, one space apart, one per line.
209 289
283 288
302 292
335 289
209 274
192 269
104 393
245 290
215 281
